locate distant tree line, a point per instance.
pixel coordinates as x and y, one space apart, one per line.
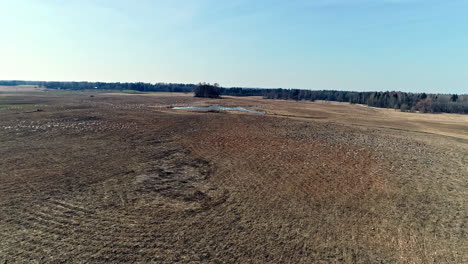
237 91
135 86
406 102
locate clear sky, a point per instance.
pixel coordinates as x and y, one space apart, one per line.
408 45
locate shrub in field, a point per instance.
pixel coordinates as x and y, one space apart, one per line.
424 105
405 108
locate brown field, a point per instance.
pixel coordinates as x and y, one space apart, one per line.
118 178
20 89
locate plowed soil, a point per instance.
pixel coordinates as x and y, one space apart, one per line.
118 178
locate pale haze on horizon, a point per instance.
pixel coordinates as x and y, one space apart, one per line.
361 45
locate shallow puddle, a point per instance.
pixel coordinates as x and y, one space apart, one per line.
218 108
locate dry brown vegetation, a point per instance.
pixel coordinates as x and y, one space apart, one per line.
20 89
125 179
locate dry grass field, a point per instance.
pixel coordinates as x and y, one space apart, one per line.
116 178
20 89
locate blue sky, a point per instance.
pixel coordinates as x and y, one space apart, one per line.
408 45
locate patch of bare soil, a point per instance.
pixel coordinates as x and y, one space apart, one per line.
126 179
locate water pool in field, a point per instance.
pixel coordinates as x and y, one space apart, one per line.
218 108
